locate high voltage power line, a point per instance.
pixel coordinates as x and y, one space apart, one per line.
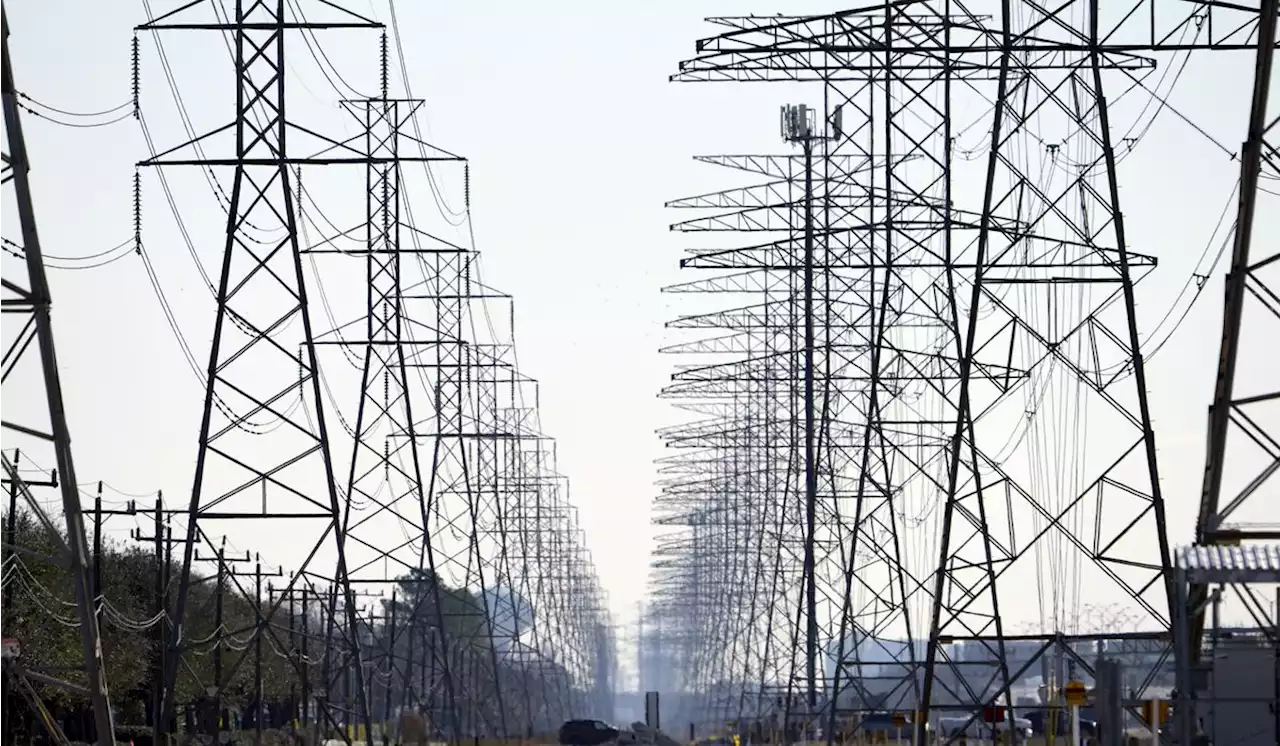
926 394
479 511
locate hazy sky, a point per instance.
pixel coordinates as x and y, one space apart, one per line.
575 139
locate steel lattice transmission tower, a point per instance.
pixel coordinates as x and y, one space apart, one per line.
1240 487
387 535
1250 290
42 431
480 514
765 491
996 291
264 449
451 479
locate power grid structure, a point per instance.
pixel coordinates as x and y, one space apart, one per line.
363 402
425 503
1236 539
927 397
31 361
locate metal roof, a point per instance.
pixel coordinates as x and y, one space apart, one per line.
1248 563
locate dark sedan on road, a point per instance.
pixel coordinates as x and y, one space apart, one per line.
586 733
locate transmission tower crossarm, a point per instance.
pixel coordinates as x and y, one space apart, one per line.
175 20
38 301
845 45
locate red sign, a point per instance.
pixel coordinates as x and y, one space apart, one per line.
993 714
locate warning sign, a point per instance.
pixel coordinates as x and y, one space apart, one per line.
1075 693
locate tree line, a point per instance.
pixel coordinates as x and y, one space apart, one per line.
281 657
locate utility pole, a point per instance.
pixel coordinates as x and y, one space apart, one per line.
389 637
259 627
33 303
302 665
287 599
164 560
297 599
375 663
302 597
99 592
306 595
354 679
98 519
162 542
410 625
7 733
258 708
335 607
97 551
329 613
226 565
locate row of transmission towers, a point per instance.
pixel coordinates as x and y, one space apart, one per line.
919 435
380 425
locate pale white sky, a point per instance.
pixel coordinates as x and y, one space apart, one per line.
576 139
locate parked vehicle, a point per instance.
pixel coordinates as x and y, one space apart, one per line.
976 728
587 733
1061 722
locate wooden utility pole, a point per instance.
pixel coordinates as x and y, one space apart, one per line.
259 625
287 597
99 514
334 672
162 542
388 649
10 545
346 667
225 567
